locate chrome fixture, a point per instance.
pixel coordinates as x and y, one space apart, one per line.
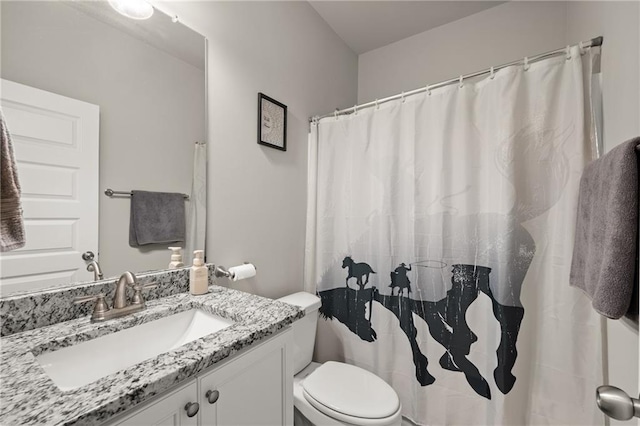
615 403
101 311
594 42
88 255
220 271
111 193
93 266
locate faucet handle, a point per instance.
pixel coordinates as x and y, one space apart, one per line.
82 299
99 309
137 295
137 286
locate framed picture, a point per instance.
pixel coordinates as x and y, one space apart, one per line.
272 123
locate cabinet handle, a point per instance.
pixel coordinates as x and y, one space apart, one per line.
212 396
192 408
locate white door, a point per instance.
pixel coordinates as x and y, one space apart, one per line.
55 141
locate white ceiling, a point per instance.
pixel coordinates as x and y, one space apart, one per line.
367 25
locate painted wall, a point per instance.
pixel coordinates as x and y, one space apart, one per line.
492 37
619 24
257 195
151 109
512 31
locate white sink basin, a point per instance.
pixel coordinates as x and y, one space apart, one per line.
86 362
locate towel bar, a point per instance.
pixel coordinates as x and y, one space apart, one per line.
110 193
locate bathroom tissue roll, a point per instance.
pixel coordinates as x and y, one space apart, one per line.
241 272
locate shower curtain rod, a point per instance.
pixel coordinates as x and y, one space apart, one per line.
597 41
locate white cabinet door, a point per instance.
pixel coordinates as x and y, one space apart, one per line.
168 410
254 388
55 140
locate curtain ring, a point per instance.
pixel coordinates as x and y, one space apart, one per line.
460 83
526 63
568 52
493 74
582 49
377 104
428 90
335 113
355 110
402 95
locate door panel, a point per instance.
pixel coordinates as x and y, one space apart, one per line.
166 411
254 389
55 142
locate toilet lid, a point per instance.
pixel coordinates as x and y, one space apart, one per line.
352 391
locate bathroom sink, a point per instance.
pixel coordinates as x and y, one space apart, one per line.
78 365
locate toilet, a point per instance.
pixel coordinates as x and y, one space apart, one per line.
335 393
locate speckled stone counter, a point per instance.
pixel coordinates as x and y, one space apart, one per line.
28 310
29 396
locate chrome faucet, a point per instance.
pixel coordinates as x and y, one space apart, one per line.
120 296
120 306
94 267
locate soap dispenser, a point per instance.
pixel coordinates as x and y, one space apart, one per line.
176 258
199 276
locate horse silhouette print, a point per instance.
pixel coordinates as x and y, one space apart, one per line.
445 318
357 271
471 248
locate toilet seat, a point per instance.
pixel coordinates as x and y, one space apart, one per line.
351 394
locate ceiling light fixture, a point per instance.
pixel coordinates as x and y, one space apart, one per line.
134 9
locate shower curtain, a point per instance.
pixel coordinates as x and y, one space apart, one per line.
197 211
439 238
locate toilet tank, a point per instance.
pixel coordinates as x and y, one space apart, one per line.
304 329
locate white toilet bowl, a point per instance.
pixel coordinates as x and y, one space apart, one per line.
335 393
366 406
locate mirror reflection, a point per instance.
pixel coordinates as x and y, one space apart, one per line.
95 100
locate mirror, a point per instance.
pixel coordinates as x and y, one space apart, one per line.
148 80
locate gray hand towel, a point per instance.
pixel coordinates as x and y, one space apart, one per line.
156 217
605 252
11 222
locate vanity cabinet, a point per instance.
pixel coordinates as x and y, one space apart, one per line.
254 387
165 410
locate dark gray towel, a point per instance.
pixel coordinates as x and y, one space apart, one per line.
605 252
156 217
12 234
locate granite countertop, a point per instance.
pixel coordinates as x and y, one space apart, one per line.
29 396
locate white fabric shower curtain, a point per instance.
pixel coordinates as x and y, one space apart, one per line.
197 210
439 237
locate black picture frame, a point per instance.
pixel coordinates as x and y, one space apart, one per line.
272 123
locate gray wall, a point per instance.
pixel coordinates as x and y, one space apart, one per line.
511 31
257 195
491 37
151 108
619 23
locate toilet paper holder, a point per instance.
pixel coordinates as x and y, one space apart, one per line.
220 271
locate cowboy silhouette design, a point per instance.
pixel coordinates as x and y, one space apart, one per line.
399 279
